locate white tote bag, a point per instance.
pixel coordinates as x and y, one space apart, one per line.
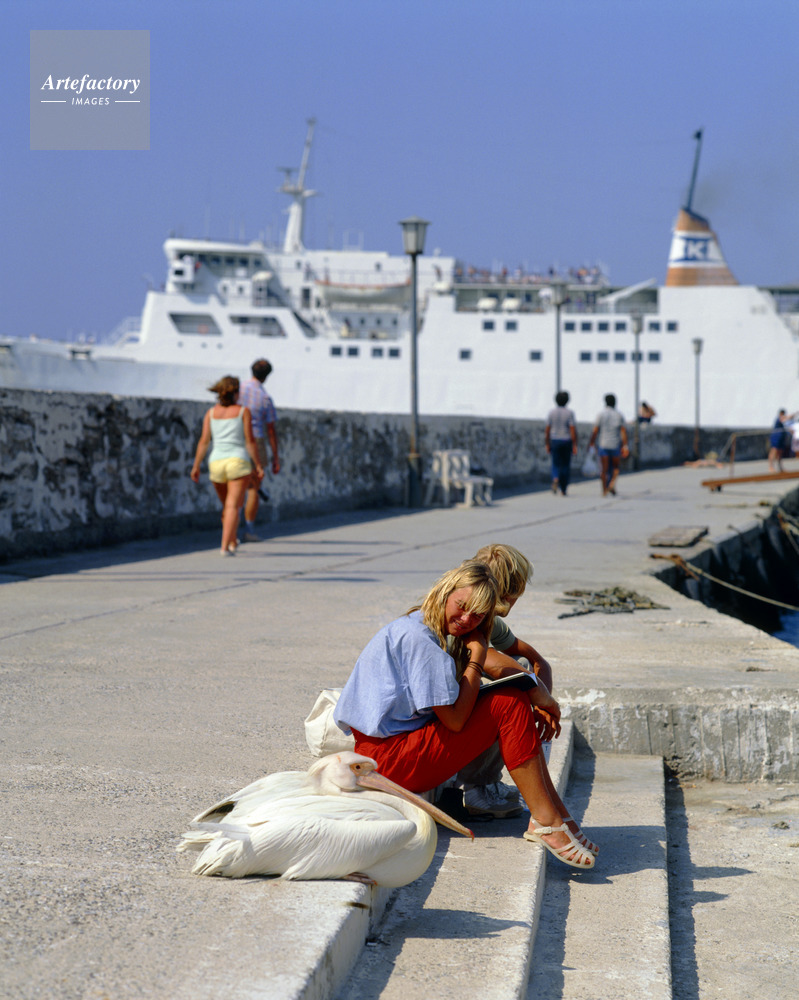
591 464
321 732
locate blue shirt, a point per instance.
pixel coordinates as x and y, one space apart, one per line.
398 678
258 401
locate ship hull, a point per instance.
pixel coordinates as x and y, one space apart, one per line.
747 368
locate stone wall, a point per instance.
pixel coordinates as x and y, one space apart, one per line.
87 470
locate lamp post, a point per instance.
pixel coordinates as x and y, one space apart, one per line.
638 324
413 234
697 342
558 291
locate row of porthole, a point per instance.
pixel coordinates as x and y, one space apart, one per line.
601 356
353 352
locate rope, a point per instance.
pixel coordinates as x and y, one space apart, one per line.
789 527
692 571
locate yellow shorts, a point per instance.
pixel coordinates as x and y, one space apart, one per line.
225 469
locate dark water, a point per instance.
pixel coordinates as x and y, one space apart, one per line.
789 628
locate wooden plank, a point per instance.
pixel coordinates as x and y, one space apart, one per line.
769 477
679 536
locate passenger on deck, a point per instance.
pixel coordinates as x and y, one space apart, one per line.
412 704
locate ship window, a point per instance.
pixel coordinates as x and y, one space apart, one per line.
306 298
585 355
535 355
569 326
671 326
198 323
654 326
243 262
230 261
352 352
258 326
619 355
488 324
636 355
603 327
335 352
465 355
511 324
378 266
393 352
653 356
377 352
602 356
585 327
621 326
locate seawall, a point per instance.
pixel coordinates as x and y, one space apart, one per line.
86 470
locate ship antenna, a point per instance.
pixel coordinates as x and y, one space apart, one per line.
698 137
294 229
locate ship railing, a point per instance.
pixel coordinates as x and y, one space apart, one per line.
126 332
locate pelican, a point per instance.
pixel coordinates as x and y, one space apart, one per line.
340 820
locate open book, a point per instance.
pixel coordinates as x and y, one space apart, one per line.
521 680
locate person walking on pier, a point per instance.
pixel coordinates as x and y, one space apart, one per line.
779 442
259 403
612 445
227 428
413 704
560 440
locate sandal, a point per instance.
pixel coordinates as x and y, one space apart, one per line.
580 837
585 859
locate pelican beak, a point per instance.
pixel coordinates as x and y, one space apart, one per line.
378 783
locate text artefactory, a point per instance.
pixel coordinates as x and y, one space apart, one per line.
87 82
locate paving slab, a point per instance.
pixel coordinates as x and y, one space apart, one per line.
141 683
606 933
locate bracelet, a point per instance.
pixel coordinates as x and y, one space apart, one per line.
472 663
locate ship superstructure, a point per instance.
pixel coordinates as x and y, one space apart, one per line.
335 325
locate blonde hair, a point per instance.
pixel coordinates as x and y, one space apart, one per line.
227 389
511 568
482 601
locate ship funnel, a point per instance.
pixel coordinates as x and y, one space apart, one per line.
696 257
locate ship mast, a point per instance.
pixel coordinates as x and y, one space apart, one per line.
689 202
294 229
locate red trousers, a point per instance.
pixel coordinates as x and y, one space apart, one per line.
427 757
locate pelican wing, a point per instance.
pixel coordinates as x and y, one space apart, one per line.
270 788
302 847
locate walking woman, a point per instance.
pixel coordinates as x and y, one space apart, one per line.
413 704
227 427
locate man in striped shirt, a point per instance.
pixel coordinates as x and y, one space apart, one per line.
258 401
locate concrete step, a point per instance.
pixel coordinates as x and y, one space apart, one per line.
604 934
465 929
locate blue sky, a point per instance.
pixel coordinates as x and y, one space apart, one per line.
529 133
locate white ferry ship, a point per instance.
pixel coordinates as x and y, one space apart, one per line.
335 325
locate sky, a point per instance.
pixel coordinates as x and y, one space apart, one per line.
530 133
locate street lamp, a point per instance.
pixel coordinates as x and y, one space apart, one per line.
557 290
638 325
413 234
697 342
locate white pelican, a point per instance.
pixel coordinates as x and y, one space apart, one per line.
340 820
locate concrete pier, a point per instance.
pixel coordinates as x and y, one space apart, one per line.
142 682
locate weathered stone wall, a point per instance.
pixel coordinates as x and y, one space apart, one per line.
84 470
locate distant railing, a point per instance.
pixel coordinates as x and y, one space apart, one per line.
731 443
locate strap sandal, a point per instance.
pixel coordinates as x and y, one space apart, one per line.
580 837
572 854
